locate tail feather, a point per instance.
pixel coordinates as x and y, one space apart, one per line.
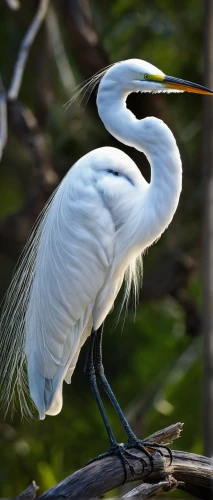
37 387
57 402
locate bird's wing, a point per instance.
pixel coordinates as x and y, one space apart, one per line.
74 257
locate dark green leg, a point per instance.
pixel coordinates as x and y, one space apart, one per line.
133 441
115 449
89 371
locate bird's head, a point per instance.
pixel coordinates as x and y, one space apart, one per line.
133 75
136 75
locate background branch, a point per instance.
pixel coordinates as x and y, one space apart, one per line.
3 118
15 228
65 72
24 49
13 4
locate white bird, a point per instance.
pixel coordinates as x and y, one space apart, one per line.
91 235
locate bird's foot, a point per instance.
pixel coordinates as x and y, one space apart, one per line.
121 450
148 449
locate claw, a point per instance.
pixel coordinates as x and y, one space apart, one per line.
139 445
146 446
123 454
157 446
136 457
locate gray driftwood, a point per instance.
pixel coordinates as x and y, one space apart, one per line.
189 472
149 490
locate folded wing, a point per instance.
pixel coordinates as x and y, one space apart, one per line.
73 260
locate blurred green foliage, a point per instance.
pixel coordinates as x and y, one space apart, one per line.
149 356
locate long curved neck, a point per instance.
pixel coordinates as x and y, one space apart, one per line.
152 137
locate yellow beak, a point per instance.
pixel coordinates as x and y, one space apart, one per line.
184 85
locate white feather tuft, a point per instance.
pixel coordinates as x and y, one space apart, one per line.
133 279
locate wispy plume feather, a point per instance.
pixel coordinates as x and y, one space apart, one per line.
14 391
86 88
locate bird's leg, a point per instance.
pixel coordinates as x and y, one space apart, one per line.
99 370
89 371
133 441
115 448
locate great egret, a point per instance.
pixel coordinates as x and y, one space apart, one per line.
89 237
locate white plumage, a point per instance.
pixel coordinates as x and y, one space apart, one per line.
92 234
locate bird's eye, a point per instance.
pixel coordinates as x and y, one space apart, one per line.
113 172
146 76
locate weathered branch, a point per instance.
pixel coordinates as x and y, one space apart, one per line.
167 435
29 493
107 474
191 472
24 49
148 490
188 472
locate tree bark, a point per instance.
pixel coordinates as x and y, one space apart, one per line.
104 475
193 473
